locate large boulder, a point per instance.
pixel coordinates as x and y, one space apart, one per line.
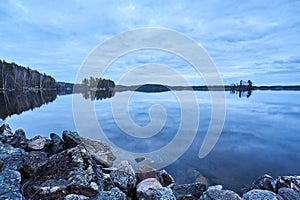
124 177
100 151
194 190
259 195
70 172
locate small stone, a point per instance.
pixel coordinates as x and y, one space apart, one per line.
114 194
108 183
144 172
71 139
287 182
19 139
259 195
124 177
100 152
139 159
165 178
186 190
218 193
1 165
288 194
151 188
37 143
57 144
263 183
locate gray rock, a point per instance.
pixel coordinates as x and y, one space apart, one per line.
287 182
165 178
10 181
11 157
259 195
100 151
5 133
57 144
19 139
113 194
32 161
146 187
108 183
71 139
75 197
151 188
194 190
288 194
144 172
214 193
264 182
37 143
124 177
72 171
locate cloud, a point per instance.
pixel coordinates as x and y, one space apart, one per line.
57 36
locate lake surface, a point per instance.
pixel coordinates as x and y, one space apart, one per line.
261 134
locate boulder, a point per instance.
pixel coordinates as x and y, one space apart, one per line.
288 194
194 190
57 144
19 139
108 183
100 151
165 178
144 172
259 195
71 139
264 182
217 193
124 177
114 194
10 181
70 172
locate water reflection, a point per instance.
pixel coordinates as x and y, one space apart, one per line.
18 102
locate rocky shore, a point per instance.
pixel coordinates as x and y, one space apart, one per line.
73 167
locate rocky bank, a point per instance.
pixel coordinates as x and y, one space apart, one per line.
72 167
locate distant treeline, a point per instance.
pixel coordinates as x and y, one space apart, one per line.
98 83
15 77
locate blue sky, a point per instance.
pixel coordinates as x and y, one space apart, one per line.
257 40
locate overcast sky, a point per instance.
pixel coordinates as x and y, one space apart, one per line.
257 40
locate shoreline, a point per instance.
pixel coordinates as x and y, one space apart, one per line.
73 167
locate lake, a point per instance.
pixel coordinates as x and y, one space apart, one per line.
261 134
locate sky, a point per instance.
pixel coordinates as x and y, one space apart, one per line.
256 40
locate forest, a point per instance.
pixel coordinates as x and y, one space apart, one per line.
16 78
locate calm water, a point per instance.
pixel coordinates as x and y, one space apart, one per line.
261 134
